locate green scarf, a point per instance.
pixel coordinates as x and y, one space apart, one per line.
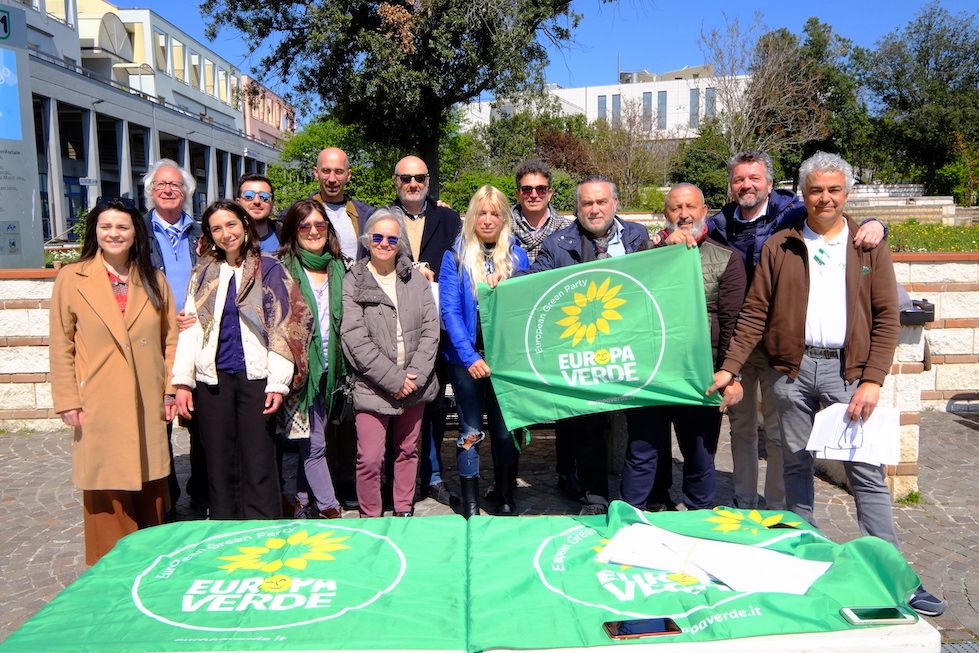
335 364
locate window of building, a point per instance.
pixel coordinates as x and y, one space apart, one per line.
647 111
195 69
209 78
601 108
710 103
223 85
179 54
661 110
160 50
695 107
616 109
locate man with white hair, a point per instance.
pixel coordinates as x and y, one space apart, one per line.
827 314
169 191
647 473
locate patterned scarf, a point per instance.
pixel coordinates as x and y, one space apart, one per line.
532 240
334 364
268 300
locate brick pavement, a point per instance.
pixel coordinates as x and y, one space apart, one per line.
41 535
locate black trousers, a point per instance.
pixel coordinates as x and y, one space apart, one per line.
587 432
239 442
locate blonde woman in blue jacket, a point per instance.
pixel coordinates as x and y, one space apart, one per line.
485 248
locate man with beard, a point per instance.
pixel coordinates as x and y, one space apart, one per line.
757 212
697 427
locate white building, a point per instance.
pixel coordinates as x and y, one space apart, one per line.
116 89
672 105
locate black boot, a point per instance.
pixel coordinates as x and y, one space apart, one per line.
506 483
470 495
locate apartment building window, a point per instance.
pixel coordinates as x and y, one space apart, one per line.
160 50
195 70
179 60
223 85
616 109
601 108
647 111
209 78
710 103
695 107
661 110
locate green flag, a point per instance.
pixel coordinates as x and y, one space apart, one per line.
618 333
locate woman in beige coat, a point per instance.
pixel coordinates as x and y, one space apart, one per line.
113 336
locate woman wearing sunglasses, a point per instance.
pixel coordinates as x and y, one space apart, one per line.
113 335
485 248
390 334
247 346
311 253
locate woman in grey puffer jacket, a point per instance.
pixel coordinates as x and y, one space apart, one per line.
390 335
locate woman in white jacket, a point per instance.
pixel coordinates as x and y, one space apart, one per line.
242 354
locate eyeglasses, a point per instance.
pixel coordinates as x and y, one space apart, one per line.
406 179
528 190
172 185
377 239
250 195
126 203
305 227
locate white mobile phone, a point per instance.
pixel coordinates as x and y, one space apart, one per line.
886 615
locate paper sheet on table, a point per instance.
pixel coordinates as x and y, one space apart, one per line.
875 441
741 567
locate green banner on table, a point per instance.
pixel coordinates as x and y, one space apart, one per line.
556 594
270 585
618 333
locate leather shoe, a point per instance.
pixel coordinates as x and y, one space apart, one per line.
330 513
441 493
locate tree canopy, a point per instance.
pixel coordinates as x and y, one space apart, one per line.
395 68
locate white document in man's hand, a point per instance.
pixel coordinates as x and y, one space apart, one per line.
876 441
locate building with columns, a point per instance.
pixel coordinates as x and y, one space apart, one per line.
114 90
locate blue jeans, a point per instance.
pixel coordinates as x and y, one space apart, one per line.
433 430
473 398
820 383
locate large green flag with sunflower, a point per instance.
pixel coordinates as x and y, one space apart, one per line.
618 333
446 584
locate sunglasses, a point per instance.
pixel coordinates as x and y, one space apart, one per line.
306 227
405 179
126 203
527 190
377 239
250 195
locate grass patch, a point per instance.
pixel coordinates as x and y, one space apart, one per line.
913 236
913 498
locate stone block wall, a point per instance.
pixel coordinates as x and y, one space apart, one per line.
25 389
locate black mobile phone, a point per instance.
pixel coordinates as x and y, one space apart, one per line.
636 628
885 615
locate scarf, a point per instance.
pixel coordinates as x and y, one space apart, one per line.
334 364
267 300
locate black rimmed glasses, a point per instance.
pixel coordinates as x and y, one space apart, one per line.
406 179
126 203
250 195
377 239
528 190
306 227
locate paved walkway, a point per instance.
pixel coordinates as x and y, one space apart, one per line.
41 535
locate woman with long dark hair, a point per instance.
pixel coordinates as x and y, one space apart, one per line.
113 336
246 348
311 253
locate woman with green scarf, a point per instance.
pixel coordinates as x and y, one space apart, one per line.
311 253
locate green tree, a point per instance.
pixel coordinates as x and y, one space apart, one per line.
924 82
703 161
395 68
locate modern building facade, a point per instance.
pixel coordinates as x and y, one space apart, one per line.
670 106
115 89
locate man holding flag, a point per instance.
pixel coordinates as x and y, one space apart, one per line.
596 234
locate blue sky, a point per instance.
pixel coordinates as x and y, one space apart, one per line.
654 36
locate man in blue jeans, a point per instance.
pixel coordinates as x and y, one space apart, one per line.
827 314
